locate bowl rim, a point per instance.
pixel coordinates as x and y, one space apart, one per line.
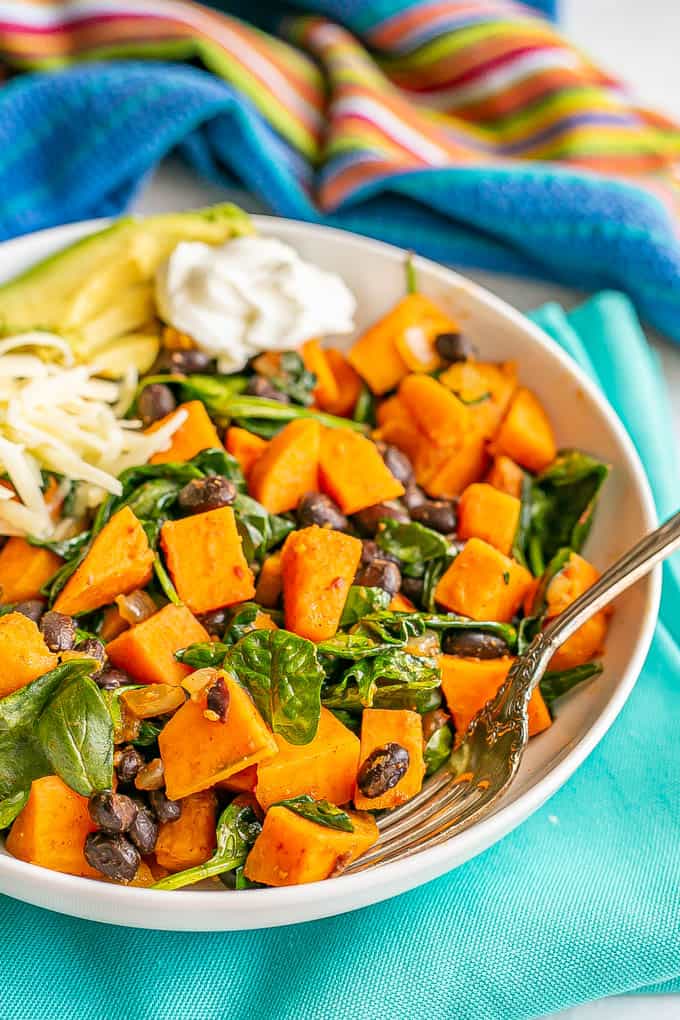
272 907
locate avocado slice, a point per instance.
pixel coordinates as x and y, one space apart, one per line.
101 287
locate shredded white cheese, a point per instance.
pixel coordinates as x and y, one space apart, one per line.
60 417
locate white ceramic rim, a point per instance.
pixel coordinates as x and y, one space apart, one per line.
316 900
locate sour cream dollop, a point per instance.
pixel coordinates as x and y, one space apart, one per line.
249 295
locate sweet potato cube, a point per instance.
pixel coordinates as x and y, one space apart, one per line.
205 559
190 840
397 426
316 361
347 382
415 341
375 356
380 726
445 472
526 434
483 584
24 569
401 604
326 768
586 644
270 581
118 561
51 829
245 446
443 418
198 752
244 781
288 468
292 850
469 683
318 568
488 513
486 389
24 656
147 650
506 476
352 472
195 434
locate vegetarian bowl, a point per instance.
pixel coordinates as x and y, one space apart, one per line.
496 530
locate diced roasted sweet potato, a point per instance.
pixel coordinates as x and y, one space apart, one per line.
446 471
190 840
352 471
195 434
443 418
245 446
326 768
485 388
415 341
292 850
113 624
397 426
288 468
401 604
318 568
375 356
205 559
483 584
244 781
526 434
51 829
316 361
147 650
198 751
24 656
24 569
506 476
469 683
381 726
587 643
347 382
488 513
118 561
270 581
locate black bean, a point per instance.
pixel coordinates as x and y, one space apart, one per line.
258 386
59 631
367 520
412 588
317 508
474 644
166 810
398 464
203 494
370 550
380 574
144 830
383 769
113 855
112 811
453 347
32 608
190 361
413 496
92 648
438 514
214 622
154 402
109 678
128 763
217 700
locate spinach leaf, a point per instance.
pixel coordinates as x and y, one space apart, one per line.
284 676
364 409
21 761
520 542
240 622
438 749
361 601
260 530
237 830
555 682
203 654
11 806
351 646
434 569
319 811
531 625
165 582
399 627
411 543
153 497
66 548
148 734
219 462
394 678
76 734
294 379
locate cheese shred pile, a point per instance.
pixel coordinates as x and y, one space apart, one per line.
60 417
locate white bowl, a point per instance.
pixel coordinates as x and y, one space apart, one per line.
582 418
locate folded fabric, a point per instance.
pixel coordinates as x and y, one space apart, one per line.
582 901
467 129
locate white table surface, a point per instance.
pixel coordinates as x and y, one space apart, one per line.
642 39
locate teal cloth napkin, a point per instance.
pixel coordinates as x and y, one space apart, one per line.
557 913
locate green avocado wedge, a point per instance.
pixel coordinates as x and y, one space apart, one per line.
98 292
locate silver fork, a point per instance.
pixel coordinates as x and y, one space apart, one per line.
480 770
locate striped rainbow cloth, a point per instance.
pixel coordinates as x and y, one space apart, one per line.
466 129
